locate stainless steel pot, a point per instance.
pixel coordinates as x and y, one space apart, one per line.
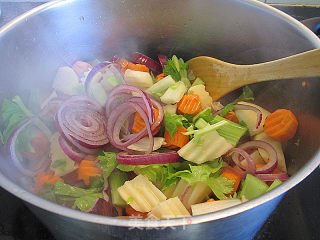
60 32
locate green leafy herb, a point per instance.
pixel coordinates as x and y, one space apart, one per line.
205 115
247 95
63 189
47 192
178 70
60 163
107 163
97 183
126 168
86 202
173 121
220 186
228 108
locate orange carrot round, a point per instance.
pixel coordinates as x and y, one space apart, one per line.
160 76
281 125
178 140
138 122
137 67
190 103
88 169
43 178
232 117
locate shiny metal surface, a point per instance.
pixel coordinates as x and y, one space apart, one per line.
34 45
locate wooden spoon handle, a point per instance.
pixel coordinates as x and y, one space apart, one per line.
306 64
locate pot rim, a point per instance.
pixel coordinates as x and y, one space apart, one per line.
138 223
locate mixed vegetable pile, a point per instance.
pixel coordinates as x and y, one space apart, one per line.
143 139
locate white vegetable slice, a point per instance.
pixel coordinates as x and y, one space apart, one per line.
250 118
142 80
142 194
209 207
170 108
205 98
66 165
212 146
171 208
65 80
143 143
277 146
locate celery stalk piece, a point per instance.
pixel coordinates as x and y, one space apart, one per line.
141 80
212 146
275 184
160 87
196 82
209 207
170 108
231 131
174 93
252 187
117 179
200 123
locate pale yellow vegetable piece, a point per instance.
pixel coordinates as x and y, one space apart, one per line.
205 98
142 80
171 208
212 146
276 145
142 192
210 207
250 118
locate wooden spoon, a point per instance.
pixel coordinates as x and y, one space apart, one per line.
222 77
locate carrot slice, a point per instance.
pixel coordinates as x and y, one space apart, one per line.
232 117
160 76
139 124
88 169
178 140
124 64
189 103
281 125
276 171
137 67
231 174
43 178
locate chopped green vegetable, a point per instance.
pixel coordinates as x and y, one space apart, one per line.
205 115
252 187
228 108
231 131
96 182
63 189
174 93
107 163
126 168
242 123
196 82
47 192
173 121
60 163
201 123
247 95
220 186
86 202
117 179
160 87
275 184
178 69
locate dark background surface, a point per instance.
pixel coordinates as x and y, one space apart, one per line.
297 217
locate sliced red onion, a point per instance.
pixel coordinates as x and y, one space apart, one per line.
271 177
273 158
116 121
101 207
42 164
102 68
70 150
121 90
245 107
235 157
148 159
145 60
163 60
185 193
82 122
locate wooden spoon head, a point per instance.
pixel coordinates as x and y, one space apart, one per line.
220 77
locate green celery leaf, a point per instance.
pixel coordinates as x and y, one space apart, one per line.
126 168
177 68
63 189
205 114
86 202
107 163
247 95
60 163
172 122
97 183
47 192
220 186
228 108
